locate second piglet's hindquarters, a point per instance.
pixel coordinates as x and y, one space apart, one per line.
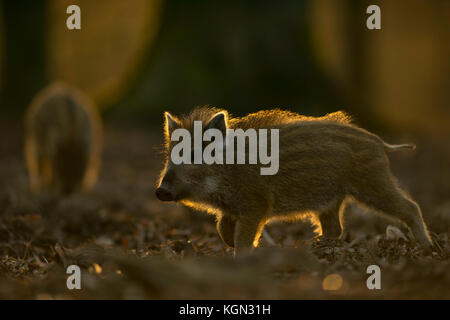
63 140
323 162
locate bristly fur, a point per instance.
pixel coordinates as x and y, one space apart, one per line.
323 162
63 140
260 119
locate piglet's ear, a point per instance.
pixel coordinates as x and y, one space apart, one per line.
171 123
218 121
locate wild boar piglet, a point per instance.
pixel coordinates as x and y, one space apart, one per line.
322 163
63 140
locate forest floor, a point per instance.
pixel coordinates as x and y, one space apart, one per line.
131 246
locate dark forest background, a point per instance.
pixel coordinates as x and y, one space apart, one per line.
141 57
137 58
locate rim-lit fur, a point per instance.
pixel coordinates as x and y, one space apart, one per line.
63 140
323 162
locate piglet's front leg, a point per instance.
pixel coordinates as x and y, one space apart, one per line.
225 227
246 235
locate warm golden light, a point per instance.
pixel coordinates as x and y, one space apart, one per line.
95 268
332 282
106 54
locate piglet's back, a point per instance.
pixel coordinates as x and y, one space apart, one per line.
277 118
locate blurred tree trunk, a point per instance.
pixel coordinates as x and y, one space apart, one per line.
393 79
24 70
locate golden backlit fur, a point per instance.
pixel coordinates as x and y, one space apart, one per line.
261 119
63 140
323 162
